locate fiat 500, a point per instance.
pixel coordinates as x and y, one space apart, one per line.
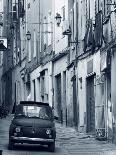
33 123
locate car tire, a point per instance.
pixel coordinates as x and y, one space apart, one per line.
51 147
11 145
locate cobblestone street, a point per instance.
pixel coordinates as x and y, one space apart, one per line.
68 142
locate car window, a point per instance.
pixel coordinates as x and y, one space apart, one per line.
42 112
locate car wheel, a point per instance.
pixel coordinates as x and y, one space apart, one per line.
51 147
11 145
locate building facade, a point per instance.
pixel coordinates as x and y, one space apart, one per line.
95 67
63 53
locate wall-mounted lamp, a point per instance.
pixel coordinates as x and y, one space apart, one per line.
28 35
58 19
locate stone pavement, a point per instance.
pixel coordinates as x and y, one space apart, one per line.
78 143
68 142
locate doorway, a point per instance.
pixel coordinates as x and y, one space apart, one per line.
58 97
75 112
90 105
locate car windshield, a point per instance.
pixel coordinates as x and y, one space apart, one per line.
42 112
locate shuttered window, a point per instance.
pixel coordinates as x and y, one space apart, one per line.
1 58
49 28
45 34
103 5
34 54
29 49
63 13
75 21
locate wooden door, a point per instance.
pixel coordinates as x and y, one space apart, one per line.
90 105
58 94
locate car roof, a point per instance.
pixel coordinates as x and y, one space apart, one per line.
34 103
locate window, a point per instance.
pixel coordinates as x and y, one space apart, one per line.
46 82
34 90
71 17
23 43
38 89
41 112
34 54
40 36
92 10
15 12
80 82
49 29
76 20
21 8
63 13
44 25
45 33
29 49
42 85
28 5
102 5
1 58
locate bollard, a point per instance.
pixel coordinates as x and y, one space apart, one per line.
0 152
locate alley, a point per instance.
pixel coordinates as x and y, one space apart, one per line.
68 142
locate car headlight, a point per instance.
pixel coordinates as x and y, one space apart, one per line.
48 131
17 129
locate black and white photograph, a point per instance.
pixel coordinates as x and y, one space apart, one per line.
58 77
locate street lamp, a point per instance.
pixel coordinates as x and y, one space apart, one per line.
58 19
28 35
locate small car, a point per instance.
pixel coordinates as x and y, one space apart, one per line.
33 123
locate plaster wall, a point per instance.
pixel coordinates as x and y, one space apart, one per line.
82 73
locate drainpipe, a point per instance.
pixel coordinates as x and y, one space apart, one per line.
53 47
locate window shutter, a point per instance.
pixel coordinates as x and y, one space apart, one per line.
21 8
34 54
98 29
14 13
75 21
49 29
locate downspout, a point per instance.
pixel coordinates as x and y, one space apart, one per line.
76 65
53 47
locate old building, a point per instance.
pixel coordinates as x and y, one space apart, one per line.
96 55
38 65
59 61
7 56
63 62
63 53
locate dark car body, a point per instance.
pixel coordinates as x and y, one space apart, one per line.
33 123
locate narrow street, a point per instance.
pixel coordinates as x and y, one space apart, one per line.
68 142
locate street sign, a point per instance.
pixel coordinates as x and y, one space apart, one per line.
3 44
